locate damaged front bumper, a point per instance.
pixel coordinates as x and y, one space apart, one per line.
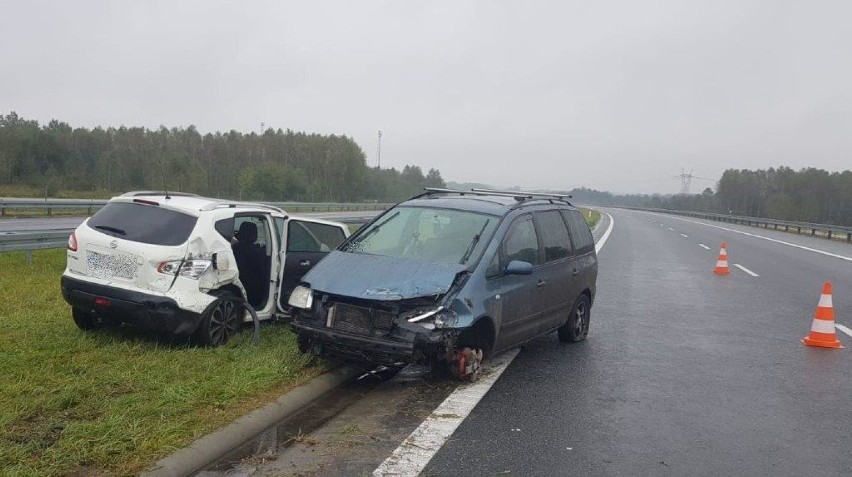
405 343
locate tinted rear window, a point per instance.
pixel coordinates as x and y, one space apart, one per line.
143 223
554 235
583 240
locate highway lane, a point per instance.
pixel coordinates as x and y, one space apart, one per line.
9 225
684 372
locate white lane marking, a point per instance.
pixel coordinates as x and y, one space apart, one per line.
809 249
411 457
671 228
843 329
704 246
605 236
684 235
746 270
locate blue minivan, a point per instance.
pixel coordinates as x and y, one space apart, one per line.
449 277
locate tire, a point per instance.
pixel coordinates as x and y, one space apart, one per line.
577 327
86 320
220 321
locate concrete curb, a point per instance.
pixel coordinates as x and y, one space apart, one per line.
208 449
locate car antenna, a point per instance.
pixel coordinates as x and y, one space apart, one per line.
163 175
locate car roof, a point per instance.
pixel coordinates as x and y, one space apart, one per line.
190 203
498 205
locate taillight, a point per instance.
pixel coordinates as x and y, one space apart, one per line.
72 242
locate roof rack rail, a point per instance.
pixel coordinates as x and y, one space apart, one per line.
524 193
519 195
232 204
138 193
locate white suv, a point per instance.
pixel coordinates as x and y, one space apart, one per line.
182 264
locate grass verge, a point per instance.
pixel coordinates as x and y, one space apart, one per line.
592 216
117 400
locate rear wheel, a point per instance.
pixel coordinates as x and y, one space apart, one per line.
87 320
220 321
577 327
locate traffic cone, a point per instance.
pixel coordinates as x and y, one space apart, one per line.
722 262
822 330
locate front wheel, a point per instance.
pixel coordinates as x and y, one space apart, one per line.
220 321
577 327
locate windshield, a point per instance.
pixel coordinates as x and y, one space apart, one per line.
419 233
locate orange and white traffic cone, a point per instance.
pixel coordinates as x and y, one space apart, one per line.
822 330
722 261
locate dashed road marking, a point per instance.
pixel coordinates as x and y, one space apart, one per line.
411 457
843 329
671 228
684 235
746 270
704 246
809 249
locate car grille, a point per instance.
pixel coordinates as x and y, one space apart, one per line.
360 320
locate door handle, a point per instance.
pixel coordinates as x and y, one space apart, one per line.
305 263
541 283
576 272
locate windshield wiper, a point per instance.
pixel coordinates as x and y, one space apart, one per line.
111 229
474 242
373 230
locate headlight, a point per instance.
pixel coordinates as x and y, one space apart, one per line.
436 318
301 297
185 268
446 319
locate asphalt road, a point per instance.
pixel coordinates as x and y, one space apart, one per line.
11 225
684 372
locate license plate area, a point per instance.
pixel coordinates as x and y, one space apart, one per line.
112 265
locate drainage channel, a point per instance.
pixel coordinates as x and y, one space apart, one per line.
349 431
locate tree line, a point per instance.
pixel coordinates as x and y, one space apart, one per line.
275 165
807 195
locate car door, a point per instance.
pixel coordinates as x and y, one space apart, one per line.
305 243
558 270
520 307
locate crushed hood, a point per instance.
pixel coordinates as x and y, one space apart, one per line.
376 277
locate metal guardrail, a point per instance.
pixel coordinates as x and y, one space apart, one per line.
821 230
29 241
90 206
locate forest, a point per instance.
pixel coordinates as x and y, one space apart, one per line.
807 195
57 159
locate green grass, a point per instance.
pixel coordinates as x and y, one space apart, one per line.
592 216
115 401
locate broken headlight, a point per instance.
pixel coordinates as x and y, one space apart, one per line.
436 318
301 297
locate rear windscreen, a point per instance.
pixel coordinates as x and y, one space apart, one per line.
143 223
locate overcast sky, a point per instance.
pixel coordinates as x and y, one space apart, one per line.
610 95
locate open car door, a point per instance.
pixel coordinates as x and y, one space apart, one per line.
306 241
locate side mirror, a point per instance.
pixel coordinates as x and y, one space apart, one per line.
517 267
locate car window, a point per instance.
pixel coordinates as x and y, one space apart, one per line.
580 233
262 226
521 242
225 227
554 235
493 269
313 237
149 224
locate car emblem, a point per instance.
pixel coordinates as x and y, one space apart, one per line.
113 244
